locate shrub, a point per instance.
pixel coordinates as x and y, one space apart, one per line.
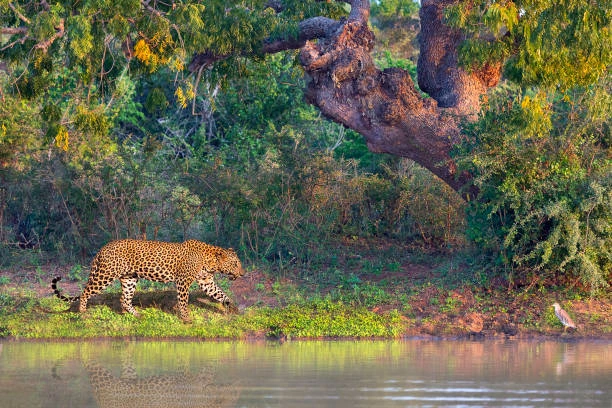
542 164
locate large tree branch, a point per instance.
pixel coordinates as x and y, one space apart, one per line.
14 30
309 29
385 106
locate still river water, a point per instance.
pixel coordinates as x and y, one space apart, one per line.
411 373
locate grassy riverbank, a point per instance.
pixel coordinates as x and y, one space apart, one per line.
312 319
378 293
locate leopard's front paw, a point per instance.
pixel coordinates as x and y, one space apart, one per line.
186 318
230 307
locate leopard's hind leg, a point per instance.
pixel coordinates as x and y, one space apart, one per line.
100 277
93 287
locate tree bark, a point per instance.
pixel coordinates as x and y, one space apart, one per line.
385 106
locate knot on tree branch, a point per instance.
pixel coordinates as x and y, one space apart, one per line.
355 34
398 84
313 59
348 51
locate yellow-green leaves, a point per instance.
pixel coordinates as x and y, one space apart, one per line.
561 43
501 17
189 17
536 115
92 121
61 138
183 96
155 44
81 39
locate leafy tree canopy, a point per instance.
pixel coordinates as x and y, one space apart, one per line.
98 39
542 42
84 51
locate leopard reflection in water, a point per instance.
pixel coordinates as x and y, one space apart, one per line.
181 389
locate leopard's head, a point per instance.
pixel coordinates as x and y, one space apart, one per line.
230 264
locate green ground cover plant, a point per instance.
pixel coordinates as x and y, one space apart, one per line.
317 318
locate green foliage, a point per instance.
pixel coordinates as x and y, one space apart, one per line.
363 294
542 164
79 29
156 101
20 133
394 8
396 26
98 39
542 42
263 172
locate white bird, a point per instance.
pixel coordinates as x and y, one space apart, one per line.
563 317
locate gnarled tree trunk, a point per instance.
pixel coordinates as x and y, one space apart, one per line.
385 106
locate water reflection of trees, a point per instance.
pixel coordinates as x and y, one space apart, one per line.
469 359
224 374
521 359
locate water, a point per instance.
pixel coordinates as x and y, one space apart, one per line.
412 373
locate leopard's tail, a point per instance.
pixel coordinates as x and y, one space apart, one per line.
58 293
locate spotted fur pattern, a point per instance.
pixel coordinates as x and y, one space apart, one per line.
182 263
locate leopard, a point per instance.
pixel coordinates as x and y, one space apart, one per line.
182 263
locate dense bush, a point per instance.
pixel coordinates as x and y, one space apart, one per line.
256 168
543 166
